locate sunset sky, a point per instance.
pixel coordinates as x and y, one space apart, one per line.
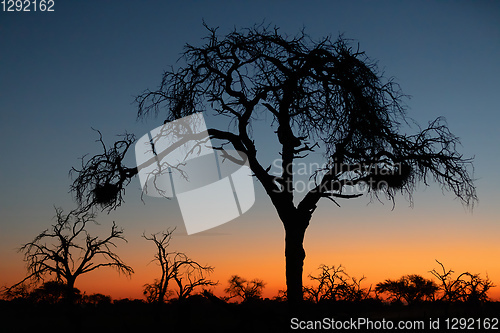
80 67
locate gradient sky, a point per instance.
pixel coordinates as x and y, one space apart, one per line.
81 66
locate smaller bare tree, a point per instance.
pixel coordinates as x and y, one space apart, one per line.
335 284
244 289
175 266
466 287
67 250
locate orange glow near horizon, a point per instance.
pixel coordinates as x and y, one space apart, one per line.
240 250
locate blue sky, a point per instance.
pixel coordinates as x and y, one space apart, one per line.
63 73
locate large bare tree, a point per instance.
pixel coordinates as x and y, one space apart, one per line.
66 251
319 95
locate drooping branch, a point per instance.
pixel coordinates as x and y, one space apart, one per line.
101 180
405 161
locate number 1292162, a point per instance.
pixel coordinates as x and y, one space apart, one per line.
27 5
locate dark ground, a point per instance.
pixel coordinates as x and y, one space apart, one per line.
202 315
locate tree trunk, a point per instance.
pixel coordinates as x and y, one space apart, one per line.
163 283
70 290
162 291
294 260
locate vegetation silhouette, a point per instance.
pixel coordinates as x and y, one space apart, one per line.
176 267
243 289
466 287
47 309
411 289
66 251
49 292
96 299
321 93
335 284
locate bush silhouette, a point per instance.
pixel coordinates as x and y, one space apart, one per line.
409 288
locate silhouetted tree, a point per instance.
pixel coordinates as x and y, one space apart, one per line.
96 299
335 284
53 292
317 93
244 289
409 288
67 250
151 292
281 296
175 267
466 287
